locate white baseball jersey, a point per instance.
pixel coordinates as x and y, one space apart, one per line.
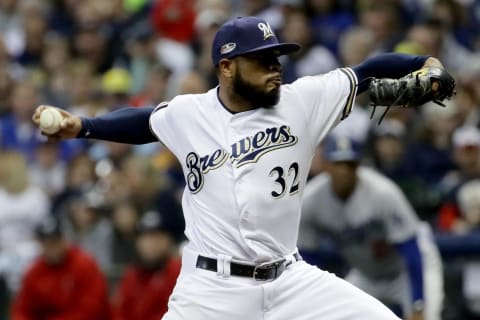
365 226
245 172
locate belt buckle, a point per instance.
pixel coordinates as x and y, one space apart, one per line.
270 265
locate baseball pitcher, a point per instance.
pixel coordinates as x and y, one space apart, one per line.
245 147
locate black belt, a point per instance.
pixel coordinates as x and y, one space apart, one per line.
262 272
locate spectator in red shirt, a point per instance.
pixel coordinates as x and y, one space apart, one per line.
174 19
144 289
63 284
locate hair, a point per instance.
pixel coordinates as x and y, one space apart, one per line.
14 171
457 11
350 38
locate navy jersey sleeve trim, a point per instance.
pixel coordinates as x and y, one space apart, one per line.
160 106
157 108
126 125
413 261
353 92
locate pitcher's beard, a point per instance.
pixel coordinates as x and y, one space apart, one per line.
255 96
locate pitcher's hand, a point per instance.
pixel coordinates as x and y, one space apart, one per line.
69 128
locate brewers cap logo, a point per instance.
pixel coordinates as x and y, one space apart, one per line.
267 30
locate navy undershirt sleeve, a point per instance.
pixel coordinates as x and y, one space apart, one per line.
413 260
126 125
388 65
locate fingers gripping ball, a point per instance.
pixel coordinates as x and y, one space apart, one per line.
424 85
50 120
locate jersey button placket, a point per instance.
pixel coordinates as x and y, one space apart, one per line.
234 135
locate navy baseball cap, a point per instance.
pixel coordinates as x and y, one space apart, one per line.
342 148
48 228
247 34
152 221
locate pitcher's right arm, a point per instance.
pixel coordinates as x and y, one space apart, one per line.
126 125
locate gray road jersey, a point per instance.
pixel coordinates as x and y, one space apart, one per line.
365 227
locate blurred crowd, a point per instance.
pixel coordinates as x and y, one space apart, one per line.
92 56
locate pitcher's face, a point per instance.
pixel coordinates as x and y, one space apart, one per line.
258 77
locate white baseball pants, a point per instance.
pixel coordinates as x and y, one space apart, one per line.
302 292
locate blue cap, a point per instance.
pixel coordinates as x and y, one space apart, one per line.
152 221
49 228
342 148
246 34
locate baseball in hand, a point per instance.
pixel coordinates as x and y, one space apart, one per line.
50 120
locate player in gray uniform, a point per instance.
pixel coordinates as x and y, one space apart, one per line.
391 254
246 148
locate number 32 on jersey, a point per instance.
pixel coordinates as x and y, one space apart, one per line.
286 180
